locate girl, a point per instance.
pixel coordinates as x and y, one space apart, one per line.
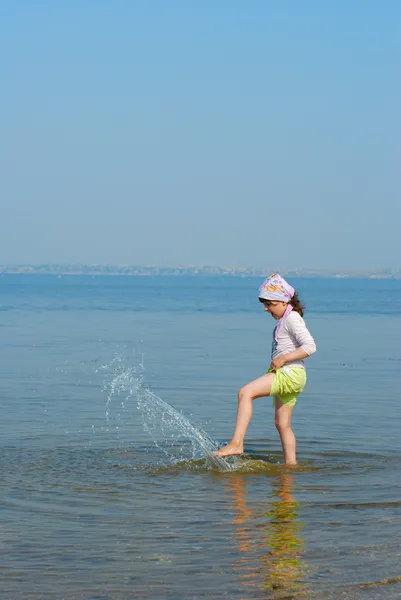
286 377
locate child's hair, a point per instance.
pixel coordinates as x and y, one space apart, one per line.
295 302
297 305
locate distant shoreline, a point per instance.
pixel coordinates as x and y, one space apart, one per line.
152 271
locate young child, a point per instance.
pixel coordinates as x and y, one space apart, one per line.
286 377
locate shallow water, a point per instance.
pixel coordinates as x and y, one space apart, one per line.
110 494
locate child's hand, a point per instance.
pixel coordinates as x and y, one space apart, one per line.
277 363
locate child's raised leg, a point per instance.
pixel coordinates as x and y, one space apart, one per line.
255 389
282 420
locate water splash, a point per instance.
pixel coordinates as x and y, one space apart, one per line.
125 382
159 416
169 429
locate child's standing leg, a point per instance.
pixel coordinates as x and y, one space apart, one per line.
282 420
256 389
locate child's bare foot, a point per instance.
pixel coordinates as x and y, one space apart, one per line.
230 450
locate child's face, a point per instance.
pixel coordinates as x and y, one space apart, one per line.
275 308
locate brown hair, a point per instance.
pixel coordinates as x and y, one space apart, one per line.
297 305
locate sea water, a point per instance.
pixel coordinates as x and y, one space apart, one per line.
116 391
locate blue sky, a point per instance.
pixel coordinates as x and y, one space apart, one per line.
188 132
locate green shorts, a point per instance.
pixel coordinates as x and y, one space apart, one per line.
288 384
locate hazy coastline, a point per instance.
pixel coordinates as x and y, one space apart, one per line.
202 270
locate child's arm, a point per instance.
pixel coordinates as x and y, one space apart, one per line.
280 361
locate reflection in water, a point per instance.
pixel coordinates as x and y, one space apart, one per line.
268 538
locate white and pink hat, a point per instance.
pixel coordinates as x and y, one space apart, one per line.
276 288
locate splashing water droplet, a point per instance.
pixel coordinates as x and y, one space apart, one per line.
169 429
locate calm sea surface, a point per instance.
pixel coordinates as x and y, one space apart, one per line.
109 493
